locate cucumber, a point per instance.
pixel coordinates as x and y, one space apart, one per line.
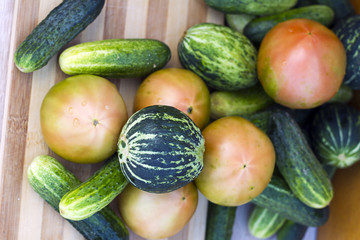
278 197
264 223
342 8
238 22
258 7
291 231
95 193
256 29
115 57
51 181
224 58
243 102
298 164
59 27
262 120
220 221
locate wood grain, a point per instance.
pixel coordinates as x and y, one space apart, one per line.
23 214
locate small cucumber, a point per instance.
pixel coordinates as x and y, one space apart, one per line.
344 95
51 181
342 8
298 164
59 27
256 29
291 231
264 223
94 194
220 221
243 102
278 197
115 57
238 22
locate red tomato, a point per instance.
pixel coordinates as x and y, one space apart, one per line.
239 161
154 215
301 63
179 88
81 118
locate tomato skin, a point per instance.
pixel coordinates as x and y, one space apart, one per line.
301 63
179 88
154 215
81 118
239 161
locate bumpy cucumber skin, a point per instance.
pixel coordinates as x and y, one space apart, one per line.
242 102
259 7
298 164
115 57
224 58
264 223
256 29
278 197
220 221
348 31
95 193
51 181
59 27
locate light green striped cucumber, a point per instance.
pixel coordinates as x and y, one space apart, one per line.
224 58
297 162
160 149
115 57
238 21
243 102
94 194
256 29
51 181
258 7
264 223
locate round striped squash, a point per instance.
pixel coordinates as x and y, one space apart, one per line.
335 134
160 149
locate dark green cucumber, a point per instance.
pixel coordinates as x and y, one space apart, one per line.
342 8
115 57
59 27
243 102
258 7
238 22
335 134
94 194
262 120
224 58
51 181
264 223
298 164
278 197
348 31
343 95
256 29
220 222
291 231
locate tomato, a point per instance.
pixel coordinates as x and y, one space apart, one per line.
81 118
239 161
301 63
154 215
179 88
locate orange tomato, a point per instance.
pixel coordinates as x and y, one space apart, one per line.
301 63
157 215
239 161
179 88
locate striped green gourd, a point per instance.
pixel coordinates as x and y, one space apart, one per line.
258 7
51 180
224 58
264 223
278 197
95 193
58 28
160 149
115 57
297 162
348 31
335 134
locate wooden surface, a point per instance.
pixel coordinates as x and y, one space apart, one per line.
23 214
